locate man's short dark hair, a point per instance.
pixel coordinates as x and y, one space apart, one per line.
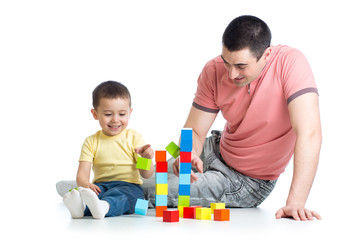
247 32
112 90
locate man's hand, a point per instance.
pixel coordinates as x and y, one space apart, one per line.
297 213
195 162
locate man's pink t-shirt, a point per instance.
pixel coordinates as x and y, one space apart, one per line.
257 140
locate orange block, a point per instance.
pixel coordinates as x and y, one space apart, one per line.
160 210
221 214
160 156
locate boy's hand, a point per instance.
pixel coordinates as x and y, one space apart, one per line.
145 151
95 188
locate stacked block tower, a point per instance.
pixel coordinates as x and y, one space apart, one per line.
161 183
185 167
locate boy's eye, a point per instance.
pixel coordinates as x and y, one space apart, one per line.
122 114
107 114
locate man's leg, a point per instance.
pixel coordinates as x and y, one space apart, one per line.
218 183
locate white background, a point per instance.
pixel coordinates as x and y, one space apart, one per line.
54 53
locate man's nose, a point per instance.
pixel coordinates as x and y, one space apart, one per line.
233 72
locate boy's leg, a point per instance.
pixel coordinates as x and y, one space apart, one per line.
122 197
72 201
95 207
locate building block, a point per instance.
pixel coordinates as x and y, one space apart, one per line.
171 215
221 214
185 145
160 210
203 213
160 200
181 211
161 177
161 167
184 200
185 157
216 206
143 163
73 189
173 149
141 206
186 134
190 212
185 168
160 156
161 189
184 179
184 189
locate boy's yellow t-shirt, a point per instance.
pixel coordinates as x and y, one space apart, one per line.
113 157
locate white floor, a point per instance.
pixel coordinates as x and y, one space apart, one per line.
52 220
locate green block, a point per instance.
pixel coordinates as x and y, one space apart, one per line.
184 200
173 149
143 163
73 189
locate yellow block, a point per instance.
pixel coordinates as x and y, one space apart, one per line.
161 189
217 206
203 213
181 211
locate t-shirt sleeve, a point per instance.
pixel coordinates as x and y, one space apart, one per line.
138 141
87 151
205 93
297 76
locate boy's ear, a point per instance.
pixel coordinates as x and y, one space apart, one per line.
94 113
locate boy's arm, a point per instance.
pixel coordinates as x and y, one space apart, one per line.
146 152
83 176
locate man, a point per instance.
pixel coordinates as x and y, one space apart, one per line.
268 97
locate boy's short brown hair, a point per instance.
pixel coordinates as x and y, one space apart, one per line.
112 90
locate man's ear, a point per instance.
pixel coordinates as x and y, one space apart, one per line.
94 113
267 53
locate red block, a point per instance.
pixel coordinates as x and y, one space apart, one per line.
160 156
160 210
171 215
190 212
185 157
221 214
161 167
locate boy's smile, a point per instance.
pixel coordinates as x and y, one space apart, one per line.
113 115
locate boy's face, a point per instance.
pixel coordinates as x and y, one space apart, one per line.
113 115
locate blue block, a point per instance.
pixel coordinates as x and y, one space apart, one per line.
160 200
161 178
185 168
184 189
185 145
184 178
186 140
141 206
186 134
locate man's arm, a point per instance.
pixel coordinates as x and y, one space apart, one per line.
200 121
305 120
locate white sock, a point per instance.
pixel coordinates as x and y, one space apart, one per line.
73 202
98 208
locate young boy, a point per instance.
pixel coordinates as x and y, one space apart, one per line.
112 152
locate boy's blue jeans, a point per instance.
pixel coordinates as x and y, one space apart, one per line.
121 196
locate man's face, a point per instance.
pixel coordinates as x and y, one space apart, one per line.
242 65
